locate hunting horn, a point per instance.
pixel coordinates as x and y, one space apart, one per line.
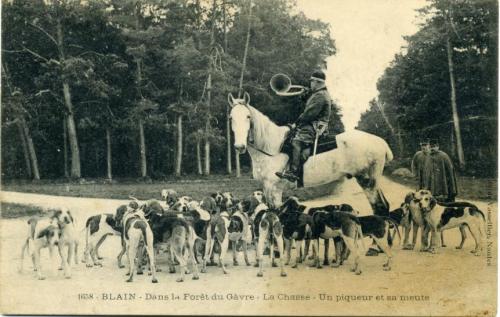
281 85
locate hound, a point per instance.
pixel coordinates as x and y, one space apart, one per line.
293 204
169 197
267 228
240 230
440 217
217 231
68 238
42 233
97 229
297 226
178 236
135 230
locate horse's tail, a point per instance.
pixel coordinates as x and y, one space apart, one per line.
388 153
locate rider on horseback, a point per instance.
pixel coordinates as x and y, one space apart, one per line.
314 120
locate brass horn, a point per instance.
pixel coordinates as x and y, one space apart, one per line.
281 85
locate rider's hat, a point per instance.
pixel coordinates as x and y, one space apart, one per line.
318 75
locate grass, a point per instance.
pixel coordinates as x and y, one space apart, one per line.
196 188
469 188
10 210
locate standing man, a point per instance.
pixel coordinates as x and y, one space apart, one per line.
439 175
316 114
418 162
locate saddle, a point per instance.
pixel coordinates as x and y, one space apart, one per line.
326 142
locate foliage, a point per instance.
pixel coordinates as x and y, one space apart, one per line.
107 42
414 92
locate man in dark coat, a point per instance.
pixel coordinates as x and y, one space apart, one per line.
439 175
316 115
418 162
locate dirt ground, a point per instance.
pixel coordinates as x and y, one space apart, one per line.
452 282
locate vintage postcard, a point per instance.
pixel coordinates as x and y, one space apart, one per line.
249 157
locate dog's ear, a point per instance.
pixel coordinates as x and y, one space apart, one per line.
433 203
301 208
409 197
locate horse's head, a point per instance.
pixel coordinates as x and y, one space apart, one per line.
240 120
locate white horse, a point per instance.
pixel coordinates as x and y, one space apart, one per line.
359 154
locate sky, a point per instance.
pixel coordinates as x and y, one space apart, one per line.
367 34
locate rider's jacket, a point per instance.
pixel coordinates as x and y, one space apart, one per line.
318 108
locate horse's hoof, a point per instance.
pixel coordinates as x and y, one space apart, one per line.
203 270
127 274
41 278
443 245
180 279
274 265
196 277
140 272
248 264
88 265
311 257
319 266
100 258
260 274
335 264
60 268
154 280
171 271
283 274
358 272
226 272
294 266
67 277
235 263
121 266
326 262
387 268
256 264
352 269
408 247
129 280
149 273
158 270
458 247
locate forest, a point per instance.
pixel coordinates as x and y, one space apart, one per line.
138 89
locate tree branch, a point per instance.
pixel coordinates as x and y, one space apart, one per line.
35 54
45 32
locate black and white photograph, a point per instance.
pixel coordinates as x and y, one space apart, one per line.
249 157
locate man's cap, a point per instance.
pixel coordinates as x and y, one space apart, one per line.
434 142
424 142
318 75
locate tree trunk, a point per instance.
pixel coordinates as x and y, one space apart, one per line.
73 139
178 161
65 147
198 156
108 154
142 145
228 140
456 120
31 150
240 90
25 149
229 166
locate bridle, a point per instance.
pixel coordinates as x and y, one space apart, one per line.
250 137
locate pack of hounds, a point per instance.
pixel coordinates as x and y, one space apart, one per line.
191 233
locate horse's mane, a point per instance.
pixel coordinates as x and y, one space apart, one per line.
268 136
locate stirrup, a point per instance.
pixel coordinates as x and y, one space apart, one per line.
288 176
